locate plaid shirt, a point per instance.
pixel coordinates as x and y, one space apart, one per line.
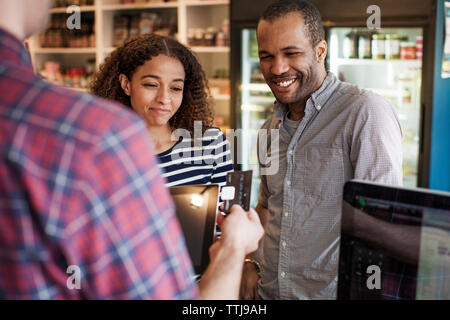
79 186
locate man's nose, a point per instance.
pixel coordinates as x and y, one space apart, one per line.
279 66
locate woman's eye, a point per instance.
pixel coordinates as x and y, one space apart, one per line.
177 89
150 85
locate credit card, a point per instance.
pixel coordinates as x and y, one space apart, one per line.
237 190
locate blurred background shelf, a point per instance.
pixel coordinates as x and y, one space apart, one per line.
100 21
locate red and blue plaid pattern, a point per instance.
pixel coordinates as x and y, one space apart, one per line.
79 185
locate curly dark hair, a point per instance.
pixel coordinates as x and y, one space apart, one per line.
138 50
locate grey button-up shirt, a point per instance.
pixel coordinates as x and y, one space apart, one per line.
346 133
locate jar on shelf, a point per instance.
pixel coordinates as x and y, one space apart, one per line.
349 49
199 37
364 46
210 37
392 46
407 50
419 47
220 40
191 36
378 46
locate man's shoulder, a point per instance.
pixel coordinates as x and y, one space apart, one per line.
94 113
271 123
66 112
362 100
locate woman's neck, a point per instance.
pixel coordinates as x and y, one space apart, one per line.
161 137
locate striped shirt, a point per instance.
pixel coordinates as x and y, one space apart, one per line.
205 161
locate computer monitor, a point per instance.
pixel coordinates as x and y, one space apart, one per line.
395 243
196 207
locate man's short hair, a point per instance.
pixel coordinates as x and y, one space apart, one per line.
311 15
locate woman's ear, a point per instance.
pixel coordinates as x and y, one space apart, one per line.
125 84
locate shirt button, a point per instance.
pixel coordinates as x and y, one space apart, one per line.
283 274
286 214
291 152
289 183
284 244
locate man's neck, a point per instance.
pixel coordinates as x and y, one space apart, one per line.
297 109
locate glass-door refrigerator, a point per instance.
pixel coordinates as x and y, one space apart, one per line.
396 61
255 105
387 61
393 70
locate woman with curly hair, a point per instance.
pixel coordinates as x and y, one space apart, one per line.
163 82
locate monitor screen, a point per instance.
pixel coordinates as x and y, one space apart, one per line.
192 220
196 207
403 249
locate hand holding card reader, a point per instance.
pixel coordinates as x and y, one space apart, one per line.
237 190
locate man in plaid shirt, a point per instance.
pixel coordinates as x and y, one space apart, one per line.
79 186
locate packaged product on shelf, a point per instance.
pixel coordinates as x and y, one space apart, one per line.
210 37
407 50
135 29
226 31
191 36
392 46
220 40
378 46
349 48
419 47
149 23
364 46
66 3
58 35
199 37
52 73
221 73
120 30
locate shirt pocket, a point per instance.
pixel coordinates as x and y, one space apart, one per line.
323 172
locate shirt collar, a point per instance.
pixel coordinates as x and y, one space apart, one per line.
13 50
318 99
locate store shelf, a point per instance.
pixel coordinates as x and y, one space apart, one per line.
224 97
82 9
195 49
253 107
137 6
64 50
184 14
342 61
206 3
211 49
256 87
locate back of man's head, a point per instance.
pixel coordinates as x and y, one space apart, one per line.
23 18
311 16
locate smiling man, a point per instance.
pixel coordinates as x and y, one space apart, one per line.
330 132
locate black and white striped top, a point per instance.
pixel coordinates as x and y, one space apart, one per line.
188 163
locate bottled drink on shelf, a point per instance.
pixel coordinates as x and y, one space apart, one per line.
378 46
392 46
364 45
350 46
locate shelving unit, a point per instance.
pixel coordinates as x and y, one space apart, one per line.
189 14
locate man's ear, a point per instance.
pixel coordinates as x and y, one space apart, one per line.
321 51
125 84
